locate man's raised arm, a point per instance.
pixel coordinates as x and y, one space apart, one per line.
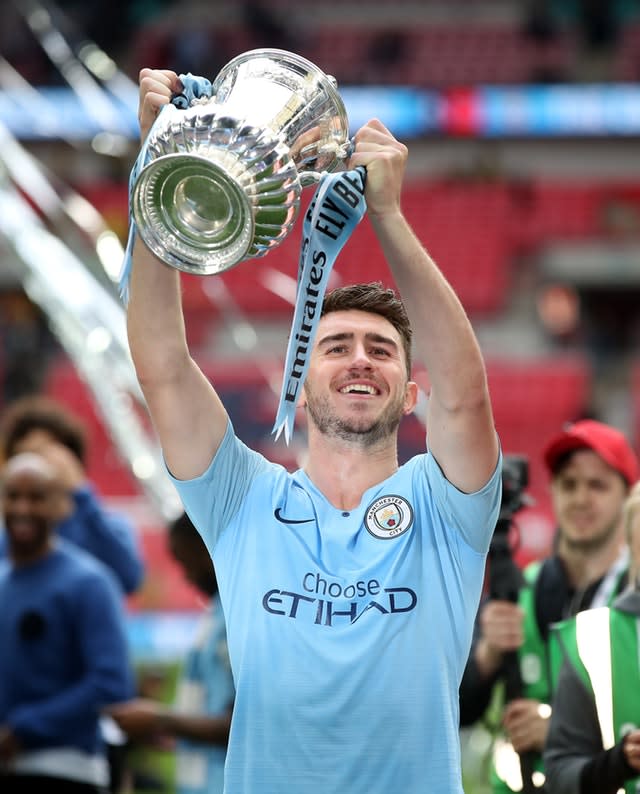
187 414
460 428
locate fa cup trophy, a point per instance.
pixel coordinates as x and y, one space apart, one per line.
224 176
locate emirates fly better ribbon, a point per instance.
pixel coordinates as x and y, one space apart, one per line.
335 210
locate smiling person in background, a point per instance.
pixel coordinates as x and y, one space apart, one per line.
592 466
40 424
64 644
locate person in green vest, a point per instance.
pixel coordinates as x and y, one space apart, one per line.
592 466
593 746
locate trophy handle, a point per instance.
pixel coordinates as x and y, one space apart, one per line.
341 152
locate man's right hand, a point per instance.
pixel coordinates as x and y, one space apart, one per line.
502 631
157 86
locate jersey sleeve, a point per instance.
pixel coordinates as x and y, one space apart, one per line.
474 514
212 499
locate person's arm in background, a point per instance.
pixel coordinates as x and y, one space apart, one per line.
186 411
143 718
525 720
499 630
476 689
460 427
574 758
107 535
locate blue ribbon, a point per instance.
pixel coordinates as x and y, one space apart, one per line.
193 88
337 207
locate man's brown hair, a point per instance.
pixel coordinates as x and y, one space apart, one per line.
374 298
39 412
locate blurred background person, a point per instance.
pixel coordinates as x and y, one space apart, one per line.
36 423
593 745
592 467
200 717
26 346
64 644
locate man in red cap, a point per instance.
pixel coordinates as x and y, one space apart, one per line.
592 468
607 442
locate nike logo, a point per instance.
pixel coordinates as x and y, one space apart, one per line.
279 517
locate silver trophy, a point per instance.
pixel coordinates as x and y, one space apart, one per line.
225 176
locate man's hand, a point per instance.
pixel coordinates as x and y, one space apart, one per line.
157 86
526 723
502 631
139 718
71 472
384 158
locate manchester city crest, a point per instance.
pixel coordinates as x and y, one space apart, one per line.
388 517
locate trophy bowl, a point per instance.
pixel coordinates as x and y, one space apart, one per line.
224 176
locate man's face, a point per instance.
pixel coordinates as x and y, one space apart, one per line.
29 497
357 387
634 543
588 496
42 442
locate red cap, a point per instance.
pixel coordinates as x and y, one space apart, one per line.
607 442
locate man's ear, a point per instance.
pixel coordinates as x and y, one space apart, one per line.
410 397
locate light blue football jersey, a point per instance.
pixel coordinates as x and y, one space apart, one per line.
348 631
205 686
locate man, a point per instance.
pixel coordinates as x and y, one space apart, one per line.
593 745
39 424
592 467
349 587
64 644
201 716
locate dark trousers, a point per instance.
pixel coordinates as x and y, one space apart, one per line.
21 784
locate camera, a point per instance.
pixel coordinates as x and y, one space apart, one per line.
505 578
515 478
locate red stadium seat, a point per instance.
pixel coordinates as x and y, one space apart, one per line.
532 400
105 464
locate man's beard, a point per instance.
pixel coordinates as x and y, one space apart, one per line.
365 432
591 544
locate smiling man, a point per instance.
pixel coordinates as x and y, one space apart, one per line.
592 467
64 645
373 393
349 586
